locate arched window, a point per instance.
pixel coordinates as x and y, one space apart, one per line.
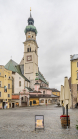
27 49
30 49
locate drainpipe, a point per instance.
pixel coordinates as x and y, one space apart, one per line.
71 86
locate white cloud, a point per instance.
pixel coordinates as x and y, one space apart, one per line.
57 25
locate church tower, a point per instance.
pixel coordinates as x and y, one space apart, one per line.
30 52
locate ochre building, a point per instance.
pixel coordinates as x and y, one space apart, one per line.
74 79
5 87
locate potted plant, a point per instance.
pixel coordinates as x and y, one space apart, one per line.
64 120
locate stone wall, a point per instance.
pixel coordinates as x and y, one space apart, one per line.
74 94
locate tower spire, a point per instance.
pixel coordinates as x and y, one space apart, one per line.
30 19
30 11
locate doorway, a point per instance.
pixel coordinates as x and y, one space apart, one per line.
3 105
46 101
12 105
30 103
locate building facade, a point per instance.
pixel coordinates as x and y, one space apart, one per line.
5 87
74 79
55 92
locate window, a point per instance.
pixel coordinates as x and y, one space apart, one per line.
30 49
49 101
0 73
77 64
42 100
27 49
0 94
32 36
77 87
0 83
8 86
5 88
34 102
77 75
43 92
5 75
19 77
8 95
9 77
19 83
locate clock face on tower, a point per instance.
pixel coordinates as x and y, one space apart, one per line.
29 58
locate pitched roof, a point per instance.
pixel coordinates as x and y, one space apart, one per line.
35 91
41 77
40 96
13 66
15 96
29 88
41 87
74 57
54 96
54 90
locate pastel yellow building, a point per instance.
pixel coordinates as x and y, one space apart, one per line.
55 92
34 101
74 79
5 87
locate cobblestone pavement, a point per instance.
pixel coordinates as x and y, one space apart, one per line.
19 123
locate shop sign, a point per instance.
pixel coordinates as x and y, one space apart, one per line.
39 122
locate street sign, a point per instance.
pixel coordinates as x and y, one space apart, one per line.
39 122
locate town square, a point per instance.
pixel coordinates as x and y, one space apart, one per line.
19 123
38 69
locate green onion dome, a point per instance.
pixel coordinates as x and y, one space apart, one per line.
30 28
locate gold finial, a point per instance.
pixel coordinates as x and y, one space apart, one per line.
30 8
